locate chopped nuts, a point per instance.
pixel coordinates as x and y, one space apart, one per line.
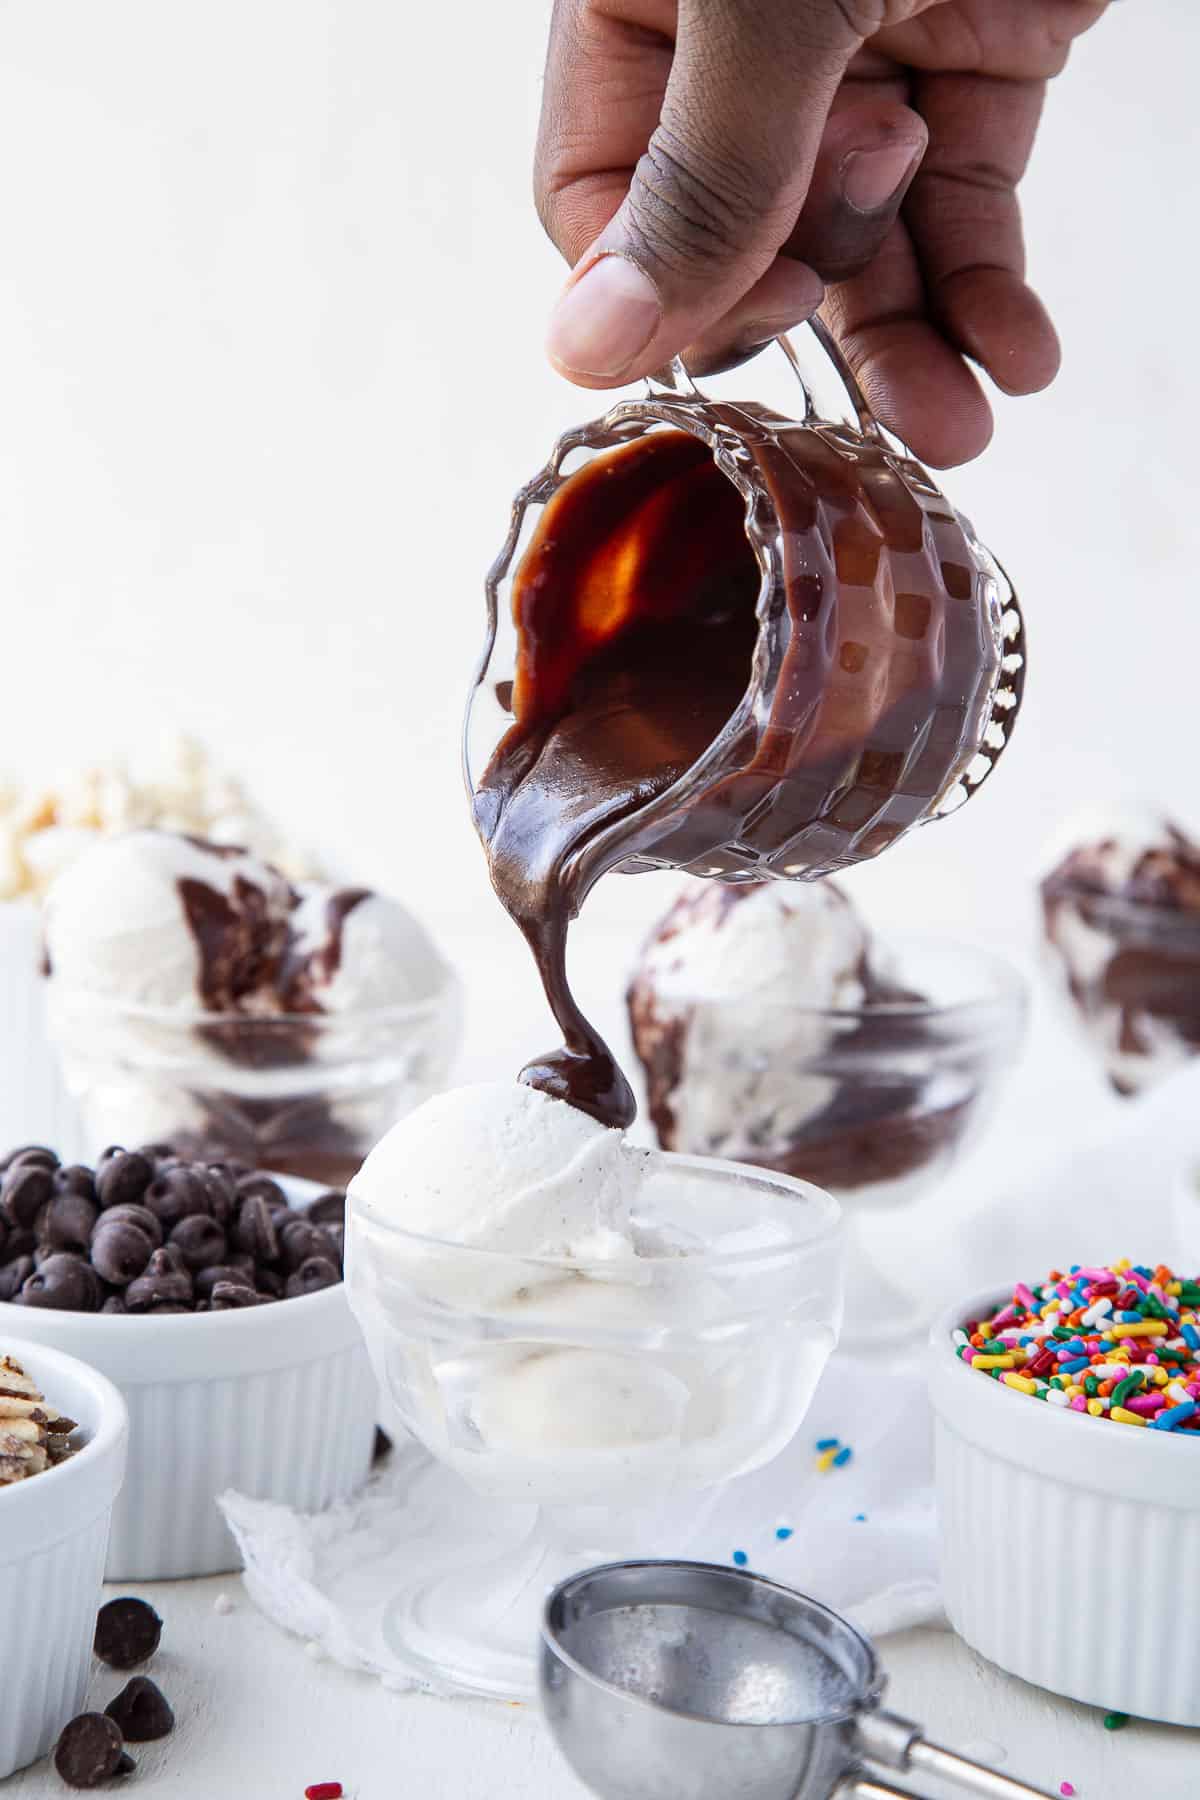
33 1434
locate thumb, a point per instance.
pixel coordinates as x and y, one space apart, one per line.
717 191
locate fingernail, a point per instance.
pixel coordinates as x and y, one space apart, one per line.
605 319
870 178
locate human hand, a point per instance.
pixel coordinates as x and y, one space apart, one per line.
707 166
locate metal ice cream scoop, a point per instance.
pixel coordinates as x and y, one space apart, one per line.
687 1681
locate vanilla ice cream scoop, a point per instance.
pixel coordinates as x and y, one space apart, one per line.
159 919
502 1167
156 919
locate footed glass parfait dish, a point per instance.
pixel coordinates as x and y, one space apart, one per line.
875 1102
304 1094
593 1390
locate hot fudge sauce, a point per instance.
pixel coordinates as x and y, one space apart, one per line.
749 649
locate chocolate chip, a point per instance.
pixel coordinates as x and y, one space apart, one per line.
261 1187
328 1209
141 1711
176 1192
315 1273
205 1280
30 1153
78 1179
63 1283
24 1191
14 1275
66 1221
199 1240
121 1249
222 1195
114 1304
89 1750
127 1633
255 1232
231 1296
20 1243
242 1259
126 1766
270 1281
164 1283
131 1214
382 1446
123 1179
156 1153
4 1231
299 1240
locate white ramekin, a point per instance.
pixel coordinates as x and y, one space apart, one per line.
53 1533
1070 1547
275 1401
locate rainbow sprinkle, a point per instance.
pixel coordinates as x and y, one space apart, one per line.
1120 1343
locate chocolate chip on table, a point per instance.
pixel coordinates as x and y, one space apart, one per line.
255 1231
382 1446
315 1273
123 1178
64 1282
24 1191
141 1711
127 1633
89 1750
199 1240
164 1283
66 1221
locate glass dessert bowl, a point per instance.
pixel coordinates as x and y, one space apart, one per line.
873 1095
301 1094
1121 918
593 1387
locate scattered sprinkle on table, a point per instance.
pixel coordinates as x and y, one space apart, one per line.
740 1559
1115 1721
1068 1789
832 1454
860 1518
783 1533
1120 1343
326 1790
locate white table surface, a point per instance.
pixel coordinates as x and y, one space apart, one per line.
258 1715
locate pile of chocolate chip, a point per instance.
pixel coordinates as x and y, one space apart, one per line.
91 1748
148 1231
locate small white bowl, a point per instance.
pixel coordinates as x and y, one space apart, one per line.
53 1532
1070 1547
277 1402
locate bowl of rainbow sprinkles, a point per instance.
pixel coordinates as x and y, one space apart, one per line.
1067 1437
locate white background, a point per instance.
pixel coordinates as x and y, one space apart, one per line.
272 295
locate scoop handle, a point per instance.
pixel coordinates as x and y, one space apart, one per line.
862 1787
897 1744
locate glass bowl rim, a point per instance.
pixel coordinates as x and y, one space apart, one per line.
1172 920
448 993
1008 995
826 1229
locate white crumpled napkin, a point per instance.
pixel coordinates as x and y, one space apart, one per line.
328 1577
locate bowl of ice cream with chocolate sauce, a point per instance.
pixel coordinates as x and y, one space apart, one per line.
773 1028
199 997
1121 917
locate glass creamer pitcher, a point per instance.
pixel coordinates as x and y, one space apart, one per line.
884 665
